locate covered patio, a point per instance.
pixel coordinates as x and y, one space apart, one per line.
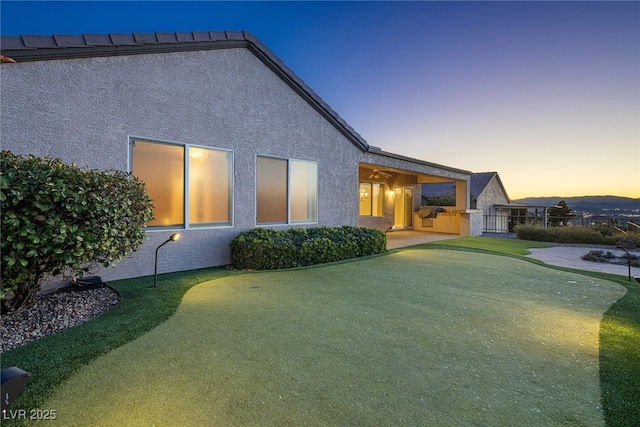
390 195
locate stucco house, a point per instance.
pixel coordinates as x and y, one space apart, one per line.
226 137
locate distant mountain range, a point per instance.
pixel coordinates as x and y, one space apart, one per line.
589 204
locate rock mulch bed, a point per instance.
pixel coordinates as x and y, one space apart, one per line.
617 258
53 313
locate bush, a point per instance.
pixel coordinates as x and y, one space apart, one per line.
536 233
319 250
265 249
579 235
634 237
262 249
58 217
585 235
364 241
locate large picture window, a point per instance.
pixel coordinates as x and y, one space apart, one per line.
185 181
371 199
286 191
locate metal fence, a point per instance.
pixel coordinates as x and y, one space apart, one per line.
504 223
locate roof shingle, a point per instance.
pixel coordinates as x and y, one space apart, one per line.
97 39
122 39
39 41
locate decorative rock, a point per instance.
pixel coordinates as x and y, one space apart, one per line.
53 313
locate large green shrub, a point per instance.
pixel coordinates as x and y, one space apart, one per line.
319 250
266 249
613 239
59 218
536 233
579 235
586 235
370 241
262 249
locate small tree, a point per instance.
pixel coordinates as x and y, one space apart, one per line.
58 218
559 213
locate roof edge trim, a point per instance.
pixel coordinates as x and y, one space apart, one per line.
379 152
46 48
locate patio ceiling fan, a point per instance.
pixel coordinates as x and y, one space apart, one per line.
377 174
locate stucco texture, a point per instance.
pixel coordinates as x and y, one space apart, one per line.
85 111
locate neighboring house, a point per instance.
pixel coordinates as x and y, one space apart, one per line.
490 194
499 214
226 137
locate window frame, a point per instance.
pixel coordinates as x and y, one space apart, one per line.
289 221
185 187
382 199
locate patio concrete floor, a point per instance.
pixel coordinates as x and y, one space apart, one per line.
404 238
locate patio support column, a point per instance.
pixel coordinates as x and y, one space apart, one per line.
462 195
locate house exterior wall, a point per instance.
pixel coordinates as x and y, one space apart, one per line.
493 194
85 110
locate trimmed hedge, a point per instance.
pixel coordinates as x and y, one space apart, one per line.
571 235
267 249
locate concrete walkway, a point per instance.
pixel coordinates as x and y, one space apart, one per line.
569 256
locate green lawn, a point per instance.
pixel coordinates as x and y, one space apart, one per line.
419 336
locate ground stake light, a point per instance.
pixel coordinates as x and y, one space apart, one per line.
172 238
625 244
13 381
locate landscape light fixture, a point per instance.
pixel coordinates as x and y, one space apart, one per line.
13 381
627 245
172 238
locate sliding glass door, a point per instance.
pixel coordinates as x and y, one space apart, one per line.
403 207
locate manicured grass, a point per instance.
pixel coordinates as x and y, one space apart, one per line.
481 244
620 357
619 333
417 337
54 359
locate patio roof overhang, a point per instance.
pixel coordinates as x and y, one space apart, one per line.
397 170
424 172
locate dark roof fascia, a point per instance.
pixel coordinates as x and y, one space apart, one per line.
80 52
139 44
417 161
301 88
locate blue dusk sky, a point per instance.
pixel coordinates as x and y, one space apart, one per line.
545 93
